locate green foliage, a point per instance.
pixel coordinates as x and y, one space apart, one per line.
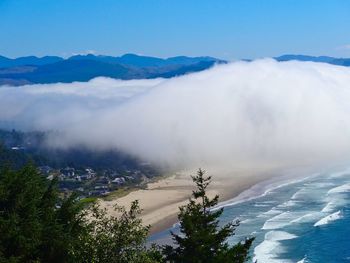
201 240
88 200
32 228
37 226
115 239
12 158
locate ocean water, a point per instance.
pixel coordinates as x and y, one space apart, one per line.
307 220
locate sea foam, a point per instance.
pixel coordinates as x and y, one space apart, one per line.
329 208
267 250
272 212
281 220
326 220
309 217
340 189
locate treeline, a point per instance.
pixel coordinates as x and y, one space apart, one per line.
37 225
32 146
16 159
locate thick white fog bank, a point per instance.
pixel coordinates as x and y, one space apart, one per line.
246 113
58 106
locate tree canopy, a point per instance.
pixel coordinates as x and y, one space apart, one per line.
38 225
201 240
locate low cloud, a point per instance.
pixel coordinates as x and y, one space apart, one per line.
243 113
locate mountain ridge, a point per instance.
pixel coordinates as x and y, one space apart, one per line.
51 69
323 59
126 59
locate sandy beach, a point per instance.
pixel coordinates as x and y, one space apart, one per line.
161 199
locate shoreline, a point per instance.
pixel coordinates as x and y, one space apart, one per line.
169 220
161 199
260 188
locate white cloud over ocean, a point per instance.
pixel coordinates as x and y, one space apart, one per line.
244 112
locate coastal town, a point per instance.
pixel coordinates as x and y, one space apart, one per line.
77 171
90 183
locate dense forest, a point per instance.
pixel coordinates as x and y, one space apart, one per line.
20 147
37 225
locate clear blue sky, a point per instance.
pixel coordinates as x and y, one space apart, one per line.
221 28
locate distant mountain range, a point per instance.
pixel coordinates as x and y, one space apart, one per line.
324 59
51 69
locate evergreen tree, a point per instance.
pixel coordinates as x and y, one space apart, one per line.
115 239
201 239
35 225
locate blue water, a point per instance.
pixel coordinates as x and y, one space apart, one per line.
304 221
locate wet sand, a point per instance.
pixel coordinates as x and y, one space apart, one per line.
160 200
